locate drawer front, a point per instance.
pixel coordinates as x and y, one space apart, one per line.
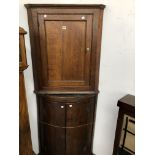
67 111
52 112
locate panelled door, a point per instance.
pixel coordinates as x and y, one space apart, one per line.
65 44
68 123
52 122
53 140
79 125
81 137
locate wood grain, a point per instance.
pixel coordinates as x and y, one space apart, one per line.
25 144
55 62
66 41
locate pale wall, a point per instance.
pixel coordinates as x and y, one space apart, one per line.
116 68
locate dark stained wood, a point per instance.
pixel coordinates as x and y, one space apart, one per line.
127 103
66 5
63 112
25 144
80 113
47 53
118 131
78 140
126 106
44 92
52 140
58 45
67 98
96 65
65 47
52 112
94 121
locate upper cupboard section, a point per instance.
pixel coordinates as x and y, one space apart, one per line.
65 44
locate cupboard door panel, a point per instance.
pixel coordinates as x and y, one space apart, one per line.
78 140
80 113
52 112
52 140
73 51
54 50
65 44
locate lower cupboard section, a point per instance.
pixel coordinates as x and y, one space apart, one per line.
65 141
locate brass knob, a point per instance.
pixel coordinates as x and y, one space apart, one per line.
70 106
83 17
45 16
88 49
62 107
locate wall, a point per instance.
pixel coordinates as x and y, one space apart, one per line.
116 68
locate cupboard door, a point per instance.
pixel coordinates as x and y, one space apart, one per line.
80 113
52 112
65 43
52 140
78 140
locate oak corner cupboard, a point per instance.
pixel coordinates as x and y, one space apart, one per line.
65 47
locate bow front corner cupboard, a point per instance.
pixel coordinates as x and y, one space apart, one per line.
65 47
